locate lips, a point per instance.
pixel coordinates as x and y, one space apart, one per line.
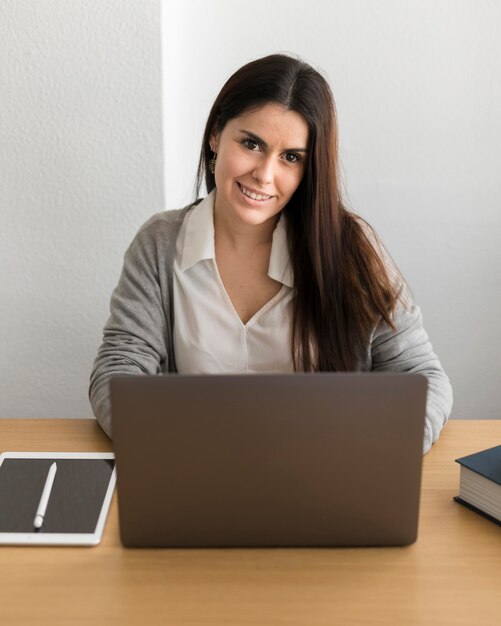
253 194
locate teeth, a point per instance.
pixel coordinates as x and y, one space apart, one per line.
254 196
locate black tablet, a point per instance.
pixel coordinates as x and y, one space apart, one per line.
55 498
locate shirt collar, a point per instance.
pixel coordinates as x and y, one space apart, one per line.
280 266
199 235
199 242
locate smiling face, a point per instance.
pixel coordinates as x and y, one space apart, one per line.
260 163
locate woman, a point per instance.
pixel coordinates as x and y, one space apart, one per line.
270 272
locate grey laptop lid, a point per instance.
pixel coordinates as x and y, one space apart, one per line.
326 459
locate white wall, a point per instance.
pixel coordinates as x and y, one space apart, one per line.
418 93
418 90
80 170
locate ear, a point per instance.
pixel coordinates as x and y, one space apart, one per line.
214 141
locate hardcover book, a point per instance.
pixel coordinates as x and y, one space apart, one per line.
480 483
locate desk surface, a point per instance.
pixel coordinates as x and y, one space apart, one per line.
451 575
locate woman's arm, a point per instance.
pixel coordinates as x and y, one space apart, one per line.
408 349
136 335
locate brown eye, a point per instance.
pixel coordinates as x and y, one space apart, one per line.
250 143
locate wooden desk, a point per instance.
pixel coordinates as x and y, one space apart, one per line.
452 575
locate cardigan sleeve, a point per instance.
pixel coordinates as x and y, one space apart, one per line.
134 337
408 349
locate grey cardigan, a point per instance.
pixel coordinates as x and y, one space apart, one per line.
138 336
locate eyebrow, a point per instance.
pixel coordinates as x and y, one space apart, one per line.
265 145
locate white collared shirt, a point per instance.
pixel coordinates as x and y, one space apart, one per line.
209 336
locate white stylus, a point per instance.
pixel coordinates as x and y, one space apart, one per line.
44 500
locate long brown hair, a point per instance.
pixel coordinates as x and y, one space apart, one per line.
342 287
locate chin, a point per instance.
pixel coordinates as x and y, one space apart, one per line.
255 216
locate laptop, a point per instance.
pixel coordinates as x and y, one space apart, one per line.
268 460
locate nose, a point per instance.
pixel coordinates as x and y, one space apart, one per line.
263 172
